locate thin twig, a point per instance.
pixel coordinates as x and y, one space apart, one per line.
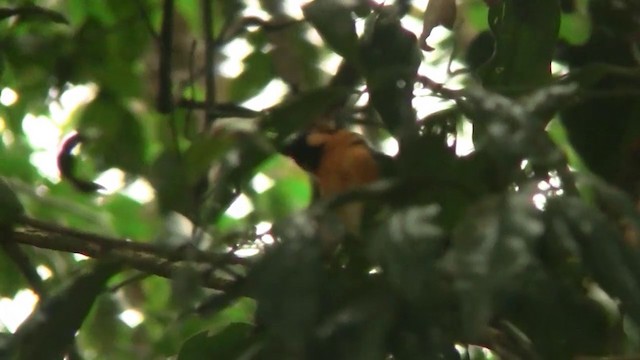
147 21
209 60
165 44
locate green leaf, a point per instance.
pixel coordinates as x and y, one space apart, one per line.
114 136
391 58
525 35
230 343
130 219
333 19
51 328
257 74
203 151
601 247
10 207
10 280
407 247
167 175
286 283
492 252
301 111
575 28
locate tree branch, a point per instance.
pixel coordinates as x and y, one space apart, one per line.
209 60
148 258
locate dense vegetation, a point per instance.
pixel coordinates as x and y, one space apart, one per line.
509 228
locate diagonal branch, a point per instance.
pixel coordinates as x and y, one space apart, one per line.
148 258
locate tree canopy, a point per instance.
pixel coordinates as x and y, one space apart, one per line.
147 210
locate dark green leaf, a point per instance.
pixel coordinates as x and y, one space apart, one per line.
257 74
230 343
525 40
391 58
334 21
286 284
407 247
114 136
51 328
169 179
601 246
203 151
301 111
493 250
10 207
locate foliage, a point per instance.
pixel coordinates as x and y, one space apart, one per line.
525 246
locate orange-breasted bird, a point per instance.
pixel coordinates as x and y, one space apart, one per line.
338 160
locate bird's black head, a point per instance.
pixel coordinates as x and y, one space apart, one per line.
306 155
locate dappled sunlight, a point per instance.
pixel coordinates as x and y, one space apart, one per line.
44 272
271 95
8 97
240 207
226 182
131 317
262 183
112 180
14 311
390 146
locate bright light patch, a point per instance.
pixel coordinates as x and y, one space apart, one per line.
390 146
555 181
7 137
43 135
539 201
240 208
8 97
140 191
314 37
246 252
294 7
131 317
262 227
235 51
544 186
363 100
267 239
79 257
44 272
559 69
420 4
464 139
253 8
14 311
451 140
238 48
414 25
46 163
70 100
41 132
112 180
3 124
360 25
231 68
261 183
269 96
330 63
462 350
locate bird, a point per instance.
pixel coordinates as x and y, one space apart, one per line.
338 160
